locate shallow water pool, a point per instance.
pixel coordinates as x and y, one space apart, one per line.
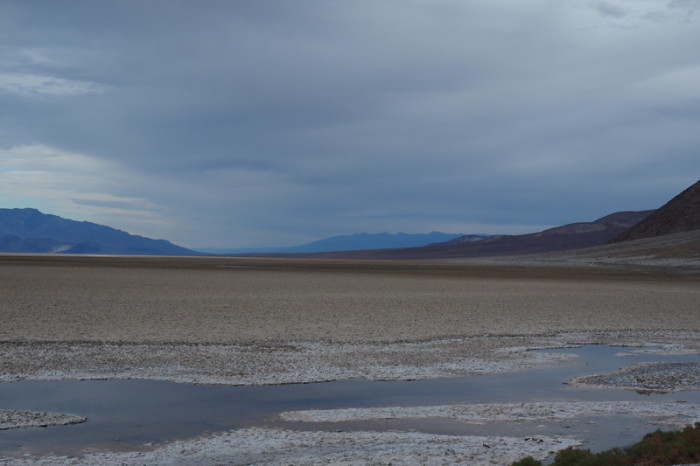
137 414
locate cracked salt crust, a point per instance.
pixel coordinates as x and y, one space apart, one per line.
652 377
667 413
302 362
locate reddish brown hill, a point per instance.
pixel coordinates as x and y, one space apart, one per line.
680 214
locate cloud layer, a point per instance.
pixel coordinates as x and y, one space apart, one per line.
274 122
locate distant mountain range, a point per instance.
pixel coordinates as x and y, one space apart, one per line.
678 216
355 242
28 230
571 236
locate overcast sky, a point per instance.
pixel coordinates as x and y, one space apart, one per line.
271 123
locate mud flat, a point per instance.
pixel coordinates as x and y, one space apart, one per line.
267 321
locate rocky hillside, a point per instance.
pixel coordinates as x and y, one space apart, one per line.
680 214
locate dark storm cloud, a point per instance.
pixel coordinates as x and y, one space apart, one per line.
276 122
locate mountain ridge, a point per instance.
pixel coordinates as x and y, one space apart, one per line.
566 237
680 214
678 218
30 230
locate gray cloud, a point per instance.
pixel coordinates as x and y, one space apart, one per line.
276 122
609 9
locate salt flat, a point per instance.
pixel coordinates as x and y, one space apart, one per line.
209 300
262 321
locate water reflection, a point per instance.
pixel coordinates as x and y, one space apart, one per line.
135 414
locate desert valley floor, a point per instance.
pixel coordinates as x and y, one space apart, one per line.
241 321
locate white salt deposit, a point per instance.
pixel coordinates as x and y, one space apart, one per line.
285 447
667 413
14 419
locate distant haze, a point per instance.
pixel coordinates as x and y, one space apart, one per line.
355 242
234 124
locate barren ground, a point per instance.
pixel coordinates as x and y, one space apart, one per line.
252 321
210 300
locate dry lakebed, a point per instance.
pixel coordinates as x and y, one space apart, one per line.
338 362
